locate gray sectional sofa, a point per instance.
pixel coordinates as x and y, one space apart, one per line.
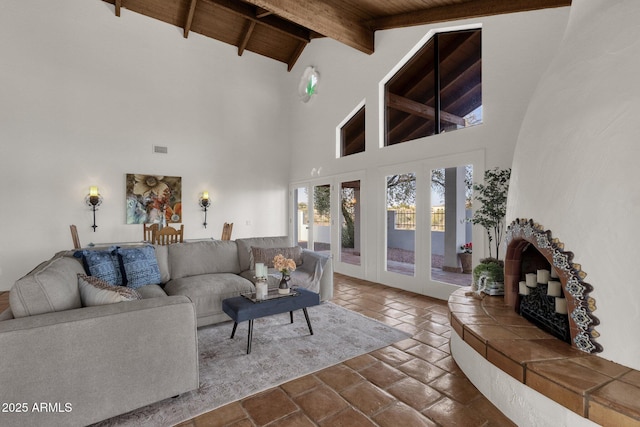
66 364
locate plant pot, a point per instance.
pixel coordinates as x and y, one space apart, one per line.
465 260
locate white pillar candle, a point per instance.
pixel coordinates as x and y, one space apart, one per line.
543 276
259 269
531 280
554 288
261 290
561 305
554 273
522 286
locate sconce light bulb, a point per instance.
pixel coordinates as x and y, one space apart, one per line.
93 191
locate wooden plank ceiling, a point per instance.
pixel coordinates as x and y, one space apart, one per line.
281 29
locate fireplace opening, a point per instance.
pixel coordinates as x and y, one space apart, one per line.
542 300
533 260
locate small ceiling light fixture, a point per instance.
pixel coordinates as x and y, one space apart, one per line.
205 202
93 199
308 85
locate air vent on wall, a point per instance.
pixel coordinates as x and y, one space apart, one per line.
158 149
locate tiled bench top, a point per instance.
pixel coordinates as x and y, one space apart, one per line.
603 391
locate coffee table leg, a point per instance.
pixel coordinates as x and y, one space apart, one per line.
291 314
235 325
250 336
306 316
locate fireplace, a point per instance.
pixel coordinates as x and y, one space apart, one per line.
534 264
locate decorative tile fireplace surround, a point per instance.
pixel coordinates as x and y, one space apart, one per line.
531 250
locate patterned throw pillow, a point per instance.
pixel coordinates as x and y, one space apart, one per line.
266 255
140 266
94 291
102 264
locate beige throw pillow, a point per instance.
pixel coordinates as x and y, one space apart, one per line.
94 291
266 255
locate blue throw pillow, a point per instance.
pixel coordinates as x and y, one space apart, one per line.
140 266
102 264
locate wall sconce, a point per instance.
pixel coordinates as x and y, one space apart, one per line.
94 200
205 203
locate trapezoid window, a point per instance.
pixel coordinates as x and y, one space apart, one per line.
437 90
352 134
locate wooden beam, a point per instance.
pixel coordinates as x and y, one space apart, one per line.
192 11
249 12
118 5
245 39
261 13
463 10
417 109
296 54
323 18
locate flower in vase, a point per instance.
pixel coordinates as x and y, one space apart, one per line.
284 265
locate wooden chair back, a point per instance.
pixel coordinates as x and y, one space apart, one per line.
74 237
227 228
168 235
149 232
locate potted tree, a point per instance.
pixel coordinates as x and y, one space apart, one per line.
492 195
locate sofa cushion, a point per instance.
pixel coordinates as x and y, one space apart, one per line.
162 255
245 245
140 266
205 257
208 290
102 264
151 291
95 291
266 255
52 286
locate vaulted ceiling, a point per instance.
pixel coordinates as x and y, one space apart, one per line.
281 29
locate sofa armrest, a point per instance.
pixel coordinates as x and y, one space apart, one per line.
320 266
94 363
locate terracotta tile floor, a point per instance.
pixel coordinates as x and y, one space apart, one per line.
412 383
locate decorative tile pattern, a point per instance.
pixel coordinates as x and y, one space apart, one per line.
581 306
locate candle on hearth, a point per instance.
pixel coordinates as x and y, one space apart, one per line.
561 305
531 280
554 273
543 276
554 288
523 289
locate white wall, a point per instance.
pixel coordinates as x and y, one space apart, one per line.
517 49
85 95
576 162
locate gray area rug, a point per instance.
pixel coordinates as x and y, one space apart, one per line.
280 352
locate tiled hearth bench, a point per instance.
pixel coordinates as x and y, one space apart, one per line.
604 392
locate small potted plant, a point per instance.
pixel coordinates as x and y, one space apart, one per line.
465 257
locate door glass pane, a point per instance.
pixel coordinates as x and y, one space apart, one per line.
301 217
322 218
451 243
401 223
350 221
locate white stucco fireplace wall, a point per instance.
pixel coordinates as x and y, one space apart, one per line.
576 160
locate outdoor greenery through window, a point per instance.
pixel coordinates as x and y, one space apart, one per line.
401 211
438 90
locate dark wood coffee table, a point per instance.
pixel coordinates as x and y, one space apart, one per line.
244 308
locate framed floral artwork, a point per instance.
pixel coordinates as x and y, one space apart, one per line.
150 197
